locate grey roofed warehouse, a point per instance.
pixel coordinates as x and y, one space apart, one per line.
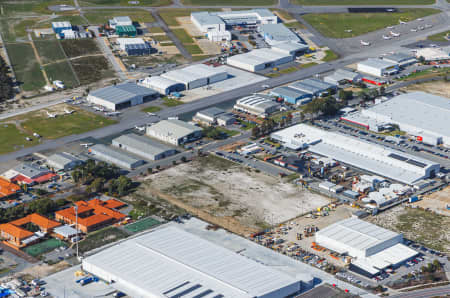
143 146
121 96
170 262
63 161
174 131
258 104
313 86
116 157
278 33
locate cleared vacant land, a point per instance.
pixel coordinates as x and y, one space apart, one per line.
80 47
230 2
102 16
169 15
49 50
182 35
335 24
428 228
35 6
101 237
91 69
25 66
230 193
439 37
193 49
125 2
363 2
63 72
437 201
439 88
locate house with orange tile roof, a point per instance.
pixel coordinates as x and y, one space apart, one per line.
92 215
16 235
8 189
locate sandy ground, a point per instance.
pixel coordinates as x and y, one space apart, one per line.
43 270
440 88
253 199
187 24
437 201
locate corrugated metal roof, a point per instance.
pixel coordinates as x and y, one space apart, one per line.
279 33
142 143
122 93
159 82
62 158
122 19
290 46
377 63
116 154
211 112
173 127
29 170
288 92
64 24
170 261
194 72
398 57
259 56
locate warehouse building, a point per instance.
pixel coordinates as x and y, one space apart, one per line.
213 116
314 86
128 30
260 105
63 161
420 114
374 158
134 46
343 76
259 59
170 262
401 59
197 75
175 132
216 24
291 95
120 21
116 157
441 55
59 27
291 48
143 147
278 33
371 247
121 96
377 67
162 85
27 173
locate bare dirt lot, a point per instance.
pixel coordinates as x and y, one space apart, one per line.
425 227
439 88
224 190
437 201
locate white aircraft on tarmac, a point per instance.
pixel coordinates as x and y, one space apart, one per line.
86 145
67 111
394 34
50 115
140 128
113 113
365 43
402 22
387 37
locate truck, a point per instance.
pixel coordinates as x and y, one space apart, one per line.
413 199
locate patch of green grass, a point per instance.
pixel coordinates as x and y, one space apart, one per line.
289 70
26 67
307 65
152 109
182 35
7 34
161 38
142 225
248 125
11 138
104 15
193 49
334 24
4 270
229 132
44 247
439 37
91 69
49 50
61 71
20 29
171 102
80 47
230 2
63 125
73 19
330 56
11 8
296 25
201 57
166 43
155 30
426 73
125 3
169 15
363 2
283 14
101 237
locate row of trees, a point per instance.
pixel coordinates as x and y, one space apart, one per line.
89 171
265 128
6 82
44 206
327 106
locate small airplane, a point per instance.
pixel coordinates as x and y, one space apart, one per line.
349 30
68 111
151 114
365 43
394 34
420 20
420 27
98 109
402 22
428 26
140 128
36 135
112 113
413 30
28 139
387 37
86 145
50 115
390 27
390 10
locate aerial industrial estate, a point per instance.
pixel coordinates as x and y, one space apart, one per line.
199 149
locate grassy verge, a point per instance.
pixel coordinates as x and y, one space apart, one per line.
171 102
161 38
330 56
12 139
155 30
290 69
439 37
363 2
11 8
124 3
80 47
334 25
182 35
169 15
427 73
229 132
229 2
193 49
102 17
101 237
61 71
296 25
92 69
201 57
248 125
283 14
25 65
49 50
152 109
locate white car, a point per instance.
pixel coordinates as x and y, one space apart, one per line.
265 86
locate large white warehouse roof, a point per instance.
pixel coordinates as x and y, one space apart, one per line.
193 73
170 262
375 158
257 57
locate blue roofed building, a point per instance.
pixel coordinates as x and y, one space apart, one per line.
291 95
59 27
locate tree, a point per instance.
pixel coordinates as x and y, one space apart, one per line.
6 82
183 159
437 264
124 184
149 170
345 95
174 162
97 184
256 132
422 59
76 176
382 90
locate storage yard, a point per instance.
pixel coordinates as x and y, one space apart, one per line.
226 190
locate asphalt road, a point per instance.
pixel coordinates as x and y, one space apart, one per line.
426 293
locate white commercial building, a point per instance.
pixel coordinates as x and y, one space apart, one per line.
365 155
290 48
213 115
387 195
121 96
124 42
215 24
197 75
170 262
259 59
162 85
371 247
377 67
260 105
342 76
434 54
120 21
278 33
402 59
175 132
143 146
420 114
